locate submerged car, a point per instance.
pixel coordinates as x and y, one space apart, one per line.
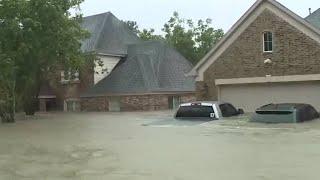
207 110
285 113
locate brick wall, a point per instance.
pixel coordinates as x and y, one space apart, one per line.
151 102
144 103
72 90
134 103
188 98
294 54
99 104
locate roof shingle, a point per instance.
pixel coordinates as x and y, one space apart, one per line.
108 35
314 18
150 67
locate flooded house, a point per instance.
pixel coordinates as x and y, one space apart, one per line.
134 75
271 55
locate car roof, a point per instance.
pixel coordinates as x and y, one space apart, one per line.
281 107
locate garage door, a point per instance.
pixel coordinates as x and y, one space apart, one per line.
251 96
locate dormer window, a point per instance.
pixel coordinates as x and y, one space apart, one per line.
267 41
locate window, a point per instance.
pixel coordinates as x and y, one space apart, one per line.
267 42
71 105
69 76
174 102
195 112
228 110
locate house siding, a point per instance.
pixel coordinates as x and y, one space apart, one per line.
294 53
108 64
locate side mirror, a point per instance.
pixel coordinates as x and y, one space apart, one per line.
240 111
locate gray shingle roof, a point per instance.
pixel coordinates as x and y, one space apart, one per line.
109 35
314 18
149 67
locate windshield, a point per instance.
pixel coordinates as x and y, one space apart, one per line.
195 111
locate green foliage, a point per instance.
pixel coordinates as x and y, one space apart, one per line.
7 90
180 35
192 40
205 37
133 26
36 38
145 34
148 35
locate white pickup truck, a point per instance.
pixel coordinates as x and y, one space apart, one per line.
207 110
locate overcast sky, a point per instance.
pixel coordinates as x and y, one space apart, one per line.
154 13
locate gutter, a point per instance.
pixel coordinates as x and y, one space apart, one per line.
137 94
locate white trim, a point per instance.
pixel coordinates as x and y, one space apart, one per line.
219 92
112 55
264 41
215 108
268 79
47 97
141 94
244 22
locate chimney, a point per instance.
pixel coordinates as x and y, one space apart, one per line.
310 11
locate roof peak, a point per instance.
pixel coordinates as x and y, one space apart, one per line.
109 35
259 6
314 18
100 14
313 13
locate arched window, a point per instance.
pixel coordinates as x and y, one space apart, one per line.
267 41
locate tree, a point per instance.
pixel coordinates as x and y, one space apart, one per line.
192 40
148 35
180 37
205 37
38 37
7 90
145 34
11 50
133 26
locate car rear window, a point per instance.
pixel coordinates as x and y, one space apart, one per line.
195 111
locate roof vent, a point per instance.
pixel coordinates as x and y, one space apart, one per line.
310 12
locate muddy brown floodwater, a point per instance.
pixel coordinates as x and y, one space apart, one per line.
152 146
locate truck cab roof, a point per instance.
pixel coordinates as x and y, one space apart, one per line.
203 103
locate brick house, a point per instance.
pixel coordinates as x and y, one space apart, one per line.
134 75
270 55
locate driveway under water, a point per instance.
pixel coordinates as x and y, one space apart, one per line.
153 146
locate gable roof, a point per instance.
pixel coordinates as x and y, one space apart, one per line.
314 18
258 7
150 67
108 35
